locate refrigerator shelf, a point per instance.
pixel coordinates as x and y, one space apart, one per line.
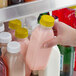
31 8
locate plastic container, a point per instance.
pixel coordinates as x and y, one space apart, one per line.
67 60
31 24
3 68
13 25
37 58
14 60
21 35
5 38
53 66
13 2
3 3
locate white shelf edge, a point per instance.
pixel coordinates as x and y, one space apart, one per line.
31 8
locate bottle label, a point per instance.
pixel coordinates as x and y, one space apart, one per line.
61 62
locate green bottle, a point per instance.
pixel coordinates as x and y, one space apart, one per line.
46 13
66 61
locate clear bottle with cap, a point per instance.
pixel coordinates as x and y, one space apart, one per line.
3 3
5 38
14 60
3 68
13 25
39 58
21 35
31 24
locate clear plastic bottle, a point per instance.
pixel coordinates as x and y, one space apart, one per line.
3 68
3 3
14 60
22 37
5 38
31 24
13 25
37 57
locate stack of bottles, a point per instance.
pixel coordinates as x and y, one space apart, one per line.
21 53
5 3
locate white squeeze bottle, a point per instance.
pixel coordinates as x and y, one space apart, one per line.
53 66
37 58
14 60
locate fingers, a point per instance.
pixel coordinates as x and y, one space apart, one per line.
50 43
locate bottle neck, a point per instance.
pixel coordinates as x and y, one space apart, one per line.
43 27
21 39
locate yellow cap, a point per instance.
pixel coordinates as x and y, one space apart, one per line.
14 24
47 21
73 7
21 33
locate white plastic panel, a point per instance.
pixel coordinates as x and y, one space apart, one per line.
27 9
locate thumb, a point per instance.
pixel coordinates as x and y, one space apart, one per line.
50 43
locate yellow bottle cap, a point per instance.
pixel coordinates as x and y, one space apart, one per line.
47 21
73 7
14 24
21 33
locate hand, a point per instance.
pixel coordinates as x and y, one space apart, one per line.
64 35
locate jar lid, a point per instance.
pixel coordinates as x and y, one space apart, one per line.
47 21
5 37
13 47
21 33
14 24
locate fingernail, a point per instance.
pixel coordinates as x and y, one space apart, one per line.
45 45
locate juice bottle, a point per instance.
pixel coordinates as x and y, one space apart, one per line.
3 3
5 38
14 60
13 2
3 68
22 37
67 60
13 25
37 57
